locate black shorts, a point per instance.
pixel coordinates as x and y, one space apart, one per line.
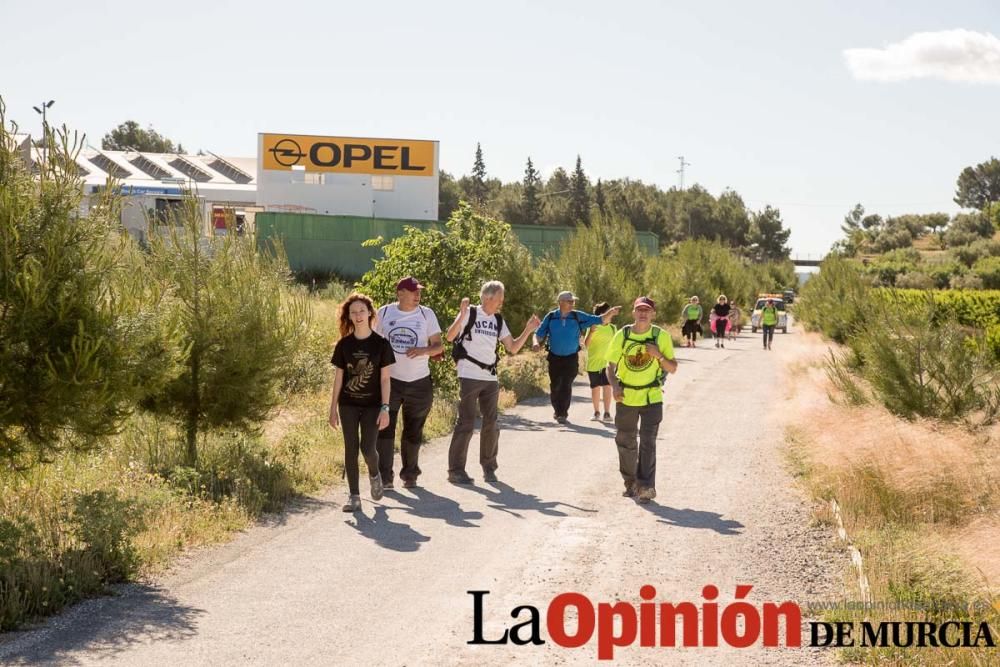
691 327
598 379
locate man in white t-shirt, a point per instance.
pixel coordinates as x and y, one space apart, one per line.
476 332
415 336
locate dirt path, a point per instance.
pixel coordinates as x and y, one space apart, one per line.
319 587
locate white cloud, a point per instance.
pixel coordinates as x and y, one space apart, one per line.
952 55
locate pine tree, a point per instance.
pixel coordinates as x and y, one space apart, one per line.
602 205
81 335
579 205
479 188
240 327
767 237
531 203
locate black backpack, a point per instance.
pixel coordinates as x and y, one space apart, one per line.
458 351
661 377
572 315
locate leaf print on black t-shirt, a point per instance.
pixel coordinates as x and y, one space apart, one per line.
361 372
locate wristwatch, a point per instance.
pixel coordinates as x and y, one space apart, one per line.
384 407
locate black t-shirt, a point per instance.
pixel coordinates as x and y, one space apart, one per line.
362 360
721 309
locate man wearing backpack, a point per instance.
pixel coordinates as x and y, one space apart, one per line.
415 336
562 329
476 333
639 356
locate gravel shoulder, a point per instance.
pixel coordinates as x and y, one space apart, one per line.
314 586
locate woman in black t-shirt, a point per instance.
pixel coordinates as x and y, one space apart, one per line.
360 401
721 312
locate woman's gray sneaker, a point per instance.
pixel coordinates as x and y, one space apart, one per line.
353 504
376 487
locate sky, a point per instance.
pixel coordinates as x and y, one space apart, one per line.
810 107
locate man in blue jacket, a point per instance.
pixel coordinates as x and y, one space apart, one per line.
563 328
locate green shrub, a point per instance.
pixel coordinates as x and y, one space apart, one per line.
919 363
988 270
836 300
601 262
915 280
966 281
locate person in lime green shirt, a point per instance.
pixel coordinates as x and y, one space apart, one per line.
598 338
691 315
768 320
638 357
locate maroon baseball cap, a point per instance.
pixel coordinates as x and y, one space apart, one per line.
409 283
644 302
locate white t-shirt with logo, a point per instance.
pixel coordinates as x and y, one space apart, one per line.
405 331
483 345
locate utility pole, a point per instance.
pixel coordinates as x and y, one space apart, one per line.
681 172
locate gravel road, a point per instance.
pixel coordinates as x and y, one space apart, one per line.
389 587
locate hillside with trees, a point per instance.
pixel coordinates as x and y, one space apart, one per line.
933 250
571 199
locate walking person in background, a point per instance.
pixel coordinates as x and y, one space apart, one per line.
638 357
691 315
768 320
415 336
563 328
720 320
476 332
734 322
598 338
360 401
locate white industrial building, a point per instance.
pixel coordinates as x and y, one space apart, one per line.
369 178
154 183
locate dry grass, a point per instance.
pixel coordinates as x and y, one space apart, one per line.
920 499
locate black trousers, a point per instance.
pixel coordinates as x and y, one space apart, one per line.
360 426
562 372
720 327
414 399
768 333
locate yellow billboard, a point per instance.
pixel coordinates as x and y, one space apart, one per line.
349 155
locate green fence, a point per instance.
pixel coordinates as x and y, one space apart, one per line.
325 243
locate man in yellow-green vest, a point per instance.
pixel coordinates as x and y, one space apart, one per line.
768 320
639 356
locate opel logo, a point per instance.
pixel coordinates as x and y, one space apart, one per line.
287 153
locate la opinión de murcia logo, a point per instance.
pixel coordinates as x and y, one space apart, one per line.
738 624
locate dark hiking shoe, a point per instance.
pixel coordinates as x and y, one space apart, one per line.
646 494
562 420
489 476
459 478
629 492
376 482
353 504
409 483
388 486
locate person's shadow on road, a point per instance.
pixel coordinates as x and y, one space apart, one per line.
428 505
507 499
385 533
689 518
